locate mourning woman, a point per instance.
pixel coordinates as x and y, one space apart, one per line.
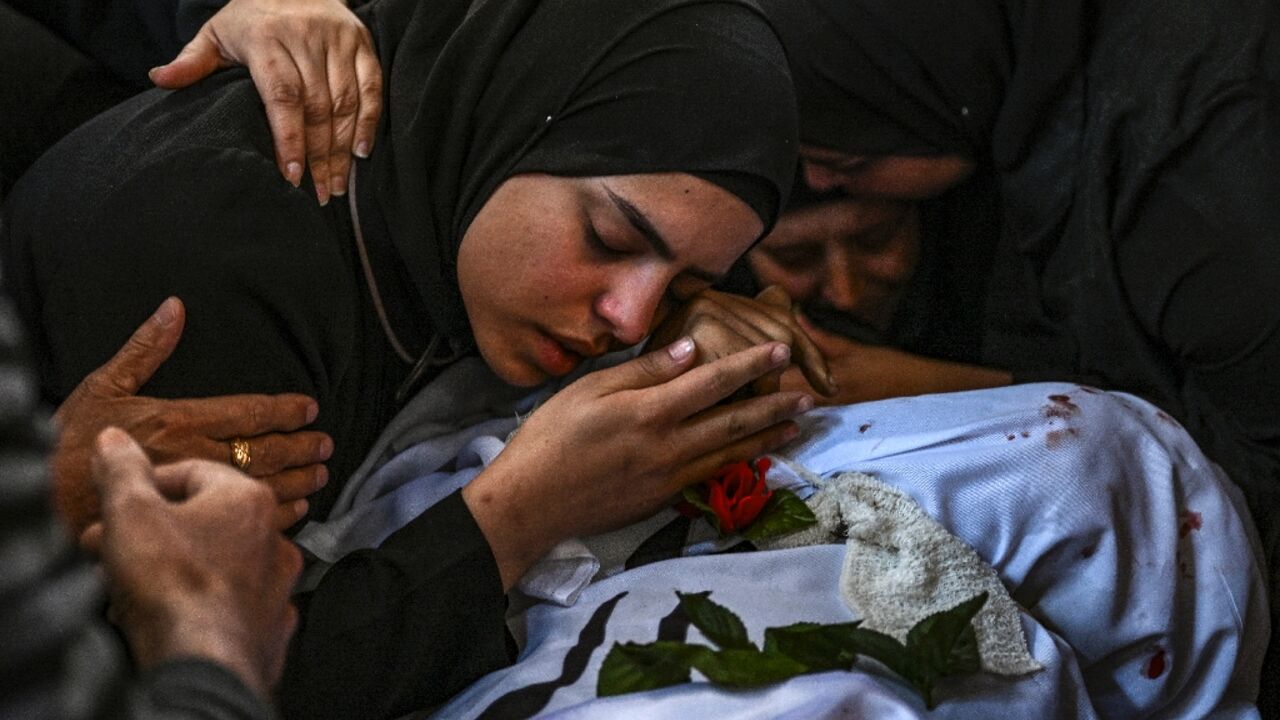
1134 146
550 176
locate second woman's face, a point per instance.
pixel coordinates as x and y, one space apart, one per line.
554 270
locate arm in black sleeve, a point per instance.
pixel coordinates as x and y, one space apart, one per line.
400 628
1202 272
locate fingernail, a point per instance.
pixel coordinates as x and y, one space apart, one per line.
791 433
313 412
322 477
151 74
339 185
167 313
362 150
322 193
681 349
324 450
805 404
780 354
300 508
293 172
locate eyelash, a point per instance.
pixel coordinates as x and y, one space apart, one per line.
597 243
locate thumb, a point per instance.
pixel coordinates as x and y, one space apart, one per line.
652 368
145 351
199 59
120 470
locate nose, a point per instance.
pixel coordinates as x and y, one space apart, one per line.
843 283
820 178
629 305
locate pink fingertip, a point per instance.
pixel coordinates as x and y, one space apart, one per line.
681 349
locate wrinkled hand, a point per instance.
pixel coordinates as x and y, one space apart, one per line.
722 324
875 372
314 65
204 575
614 447
286 459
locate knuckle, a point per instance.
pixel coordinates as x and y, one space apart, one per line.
284 92
347 102
316 110
371 91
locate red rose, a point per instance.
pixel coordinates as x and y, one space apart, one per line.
737 493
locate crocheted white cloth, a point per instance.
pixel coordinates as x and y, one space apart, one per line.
901 566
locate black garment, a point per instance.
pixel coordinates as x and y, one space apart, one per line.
129 37
1136 144
64 61
59 661
47 89
178 194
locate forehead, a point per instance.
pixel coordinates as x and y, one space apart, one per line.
701 223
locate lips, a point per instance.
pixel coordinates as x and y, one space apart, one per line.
555 357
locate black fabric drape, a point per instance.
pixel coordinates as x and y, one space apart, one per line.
479 91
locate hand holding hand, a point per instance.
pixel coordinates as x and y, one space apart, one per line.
614 447
206 575
875 372
722 324
314 65
285 458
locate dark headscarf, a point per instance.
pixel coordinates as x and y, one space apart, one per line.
909 77
480 91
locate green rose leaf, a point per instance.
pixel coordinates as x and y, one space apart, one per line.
693 496
819 647
635 667
882 648
946 641
783 514
715 621
747 668
943 644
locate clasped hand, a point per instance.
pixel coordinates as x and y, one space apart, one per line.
194 565
722 324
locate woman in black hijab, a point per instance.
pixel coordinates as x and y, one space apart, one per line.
1135 145
550 174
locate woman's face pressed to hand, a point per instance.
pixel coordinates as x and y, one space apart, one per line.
556 269
853 255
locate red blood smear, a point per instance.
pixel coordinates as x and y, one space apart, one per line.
1155 666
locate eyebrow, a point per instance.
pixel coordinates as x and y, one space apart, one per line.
645 227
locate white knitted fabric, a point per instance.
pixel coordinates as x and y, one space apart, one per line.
901 566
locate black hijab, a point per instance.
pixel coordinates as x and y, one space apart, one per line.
478 91
910 77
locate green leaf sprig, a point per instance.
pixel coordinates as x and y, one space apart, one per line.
941 645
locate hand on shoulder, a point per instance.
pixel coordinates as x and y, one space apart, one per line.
314 65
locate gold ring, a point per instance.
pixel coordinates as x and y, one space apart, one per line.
240 454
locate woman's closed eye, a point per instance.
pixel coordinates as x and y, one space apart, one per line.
597 242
